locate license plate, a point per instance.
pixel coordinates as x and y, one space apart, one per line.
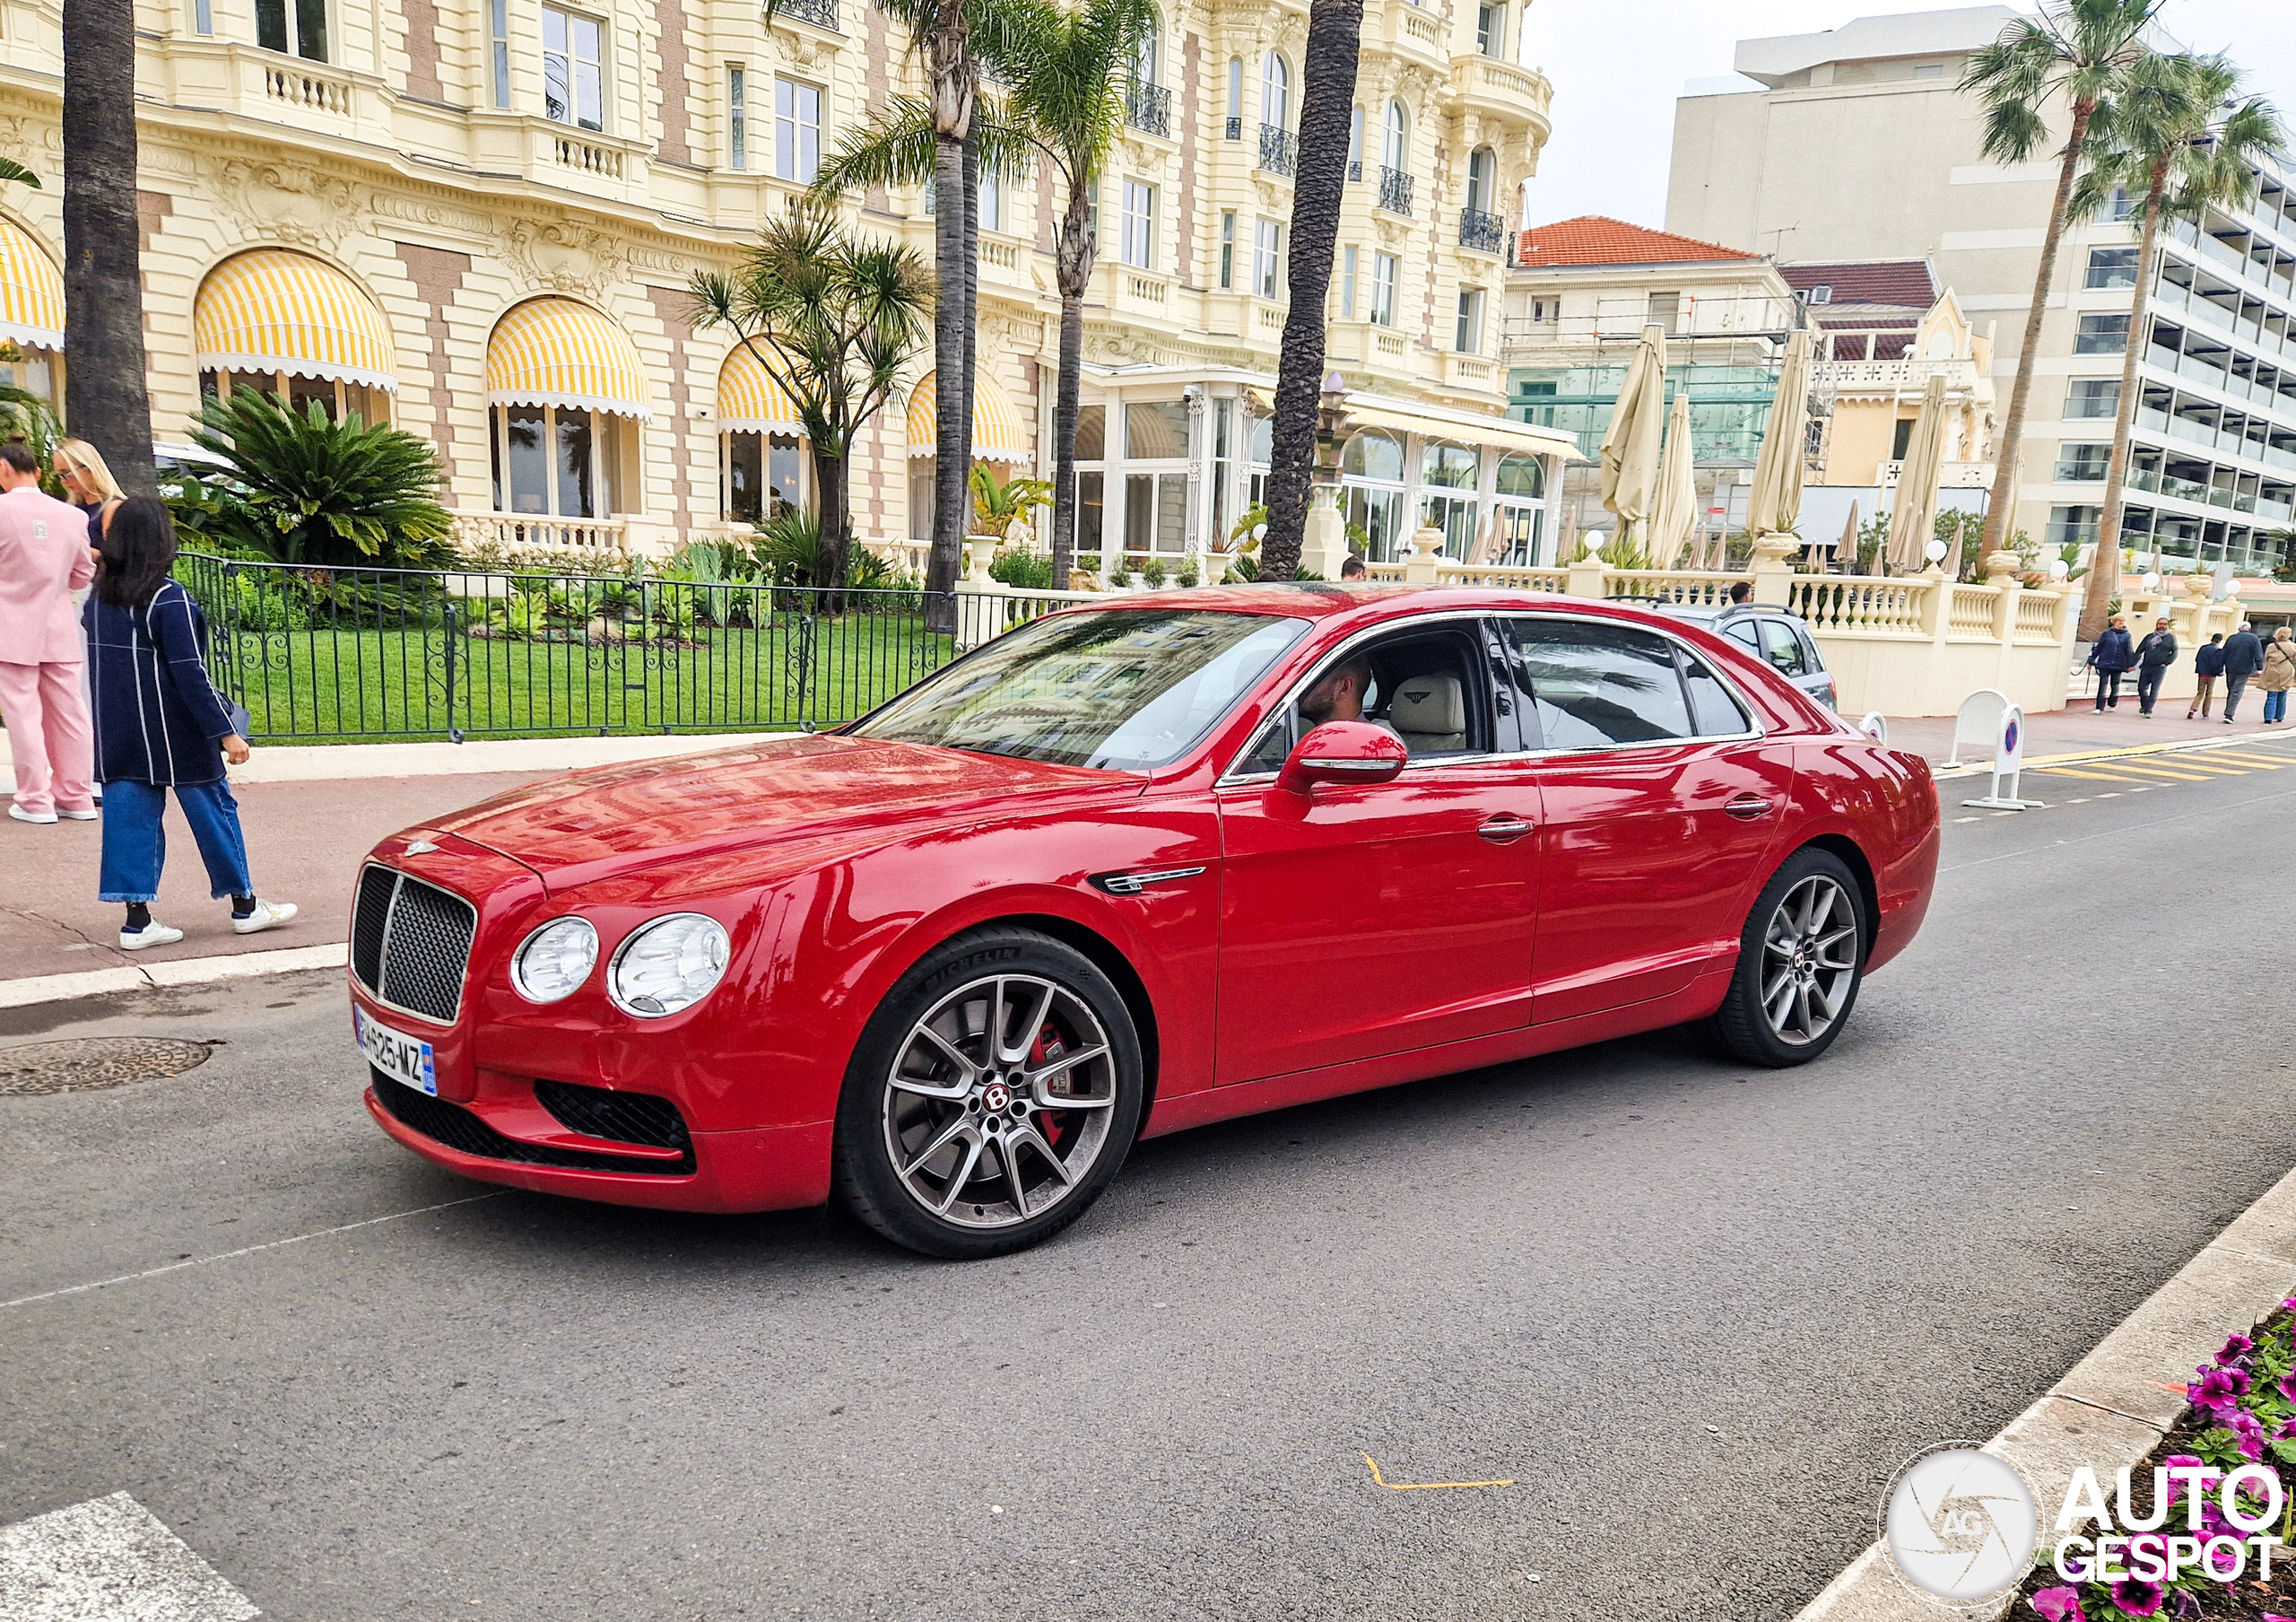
402 1058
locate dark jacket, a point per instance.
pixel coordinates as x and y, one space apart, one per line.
2112 652
2243 654
2209 660
158 718
2158 648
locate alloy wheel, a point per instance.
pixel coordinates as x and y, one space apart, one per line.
998 1100
1809 959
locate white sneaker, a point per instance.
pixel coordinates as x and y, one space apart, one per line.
154 933
79 816
267 915
22 815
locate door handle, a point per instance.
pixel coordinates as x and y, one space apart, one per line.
1745 807
1503 828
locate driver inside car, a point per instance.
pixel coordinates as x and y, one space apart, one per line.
1339 696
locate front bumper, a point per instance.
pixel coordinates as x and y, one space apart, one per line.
764 1169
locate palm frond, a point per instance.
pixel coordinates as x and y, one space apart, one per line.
10 169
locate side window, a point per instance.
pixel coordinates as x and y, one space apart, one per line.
1783 648
1712 708
1742 631
1594 684
1430 688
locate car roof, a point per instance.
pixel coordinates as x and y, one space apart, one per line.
1324 601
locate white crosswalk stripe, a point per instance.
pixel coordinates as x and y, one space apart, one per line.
110 1560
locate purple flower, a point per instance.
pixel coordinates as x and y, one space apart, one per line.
2176 1461
2218 1390
2235 1348
2286 1433
2060 1605
2251 1434
2288 1387
2136 1597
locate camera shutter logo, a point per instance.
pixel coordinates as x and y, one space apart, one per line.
1959 1524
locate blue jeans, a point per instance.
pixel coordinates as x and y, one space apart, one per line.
2275 706
135 843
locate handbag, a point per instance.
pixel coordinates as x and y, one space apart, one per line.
241 720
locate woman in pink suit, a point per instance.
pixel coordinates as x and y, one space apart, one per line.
44 559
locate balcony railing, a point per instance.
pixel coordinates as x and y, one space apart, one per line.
1149 107
1279 150
1394 190
821 13
1481 232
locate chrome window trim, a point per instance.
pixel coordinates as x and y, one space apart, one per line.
382 957
1745 706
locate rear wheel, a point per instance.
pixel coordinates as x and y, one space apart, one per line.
1801 958
992 1098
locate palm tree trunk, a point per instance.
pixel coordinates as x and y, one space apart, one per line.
105 399
1073 249
2100 587
2001 506
949 374
1326 101
972 305
834 511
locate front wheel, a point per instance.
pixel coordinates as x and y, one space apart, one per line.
991 1099
1801 957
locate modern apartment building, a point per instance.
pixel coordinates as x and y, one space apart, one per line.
1857 146
1577 301
478 218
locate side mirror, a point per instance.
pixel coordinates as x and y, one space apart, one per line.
1343 751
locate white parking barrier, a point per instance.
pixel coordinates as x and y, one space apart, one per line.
1875 726
1977 721
2008 764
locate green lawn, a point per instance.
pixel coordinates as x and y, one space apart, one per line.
347 681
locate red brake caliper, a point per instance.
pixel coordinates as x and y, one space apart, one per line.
1049 1049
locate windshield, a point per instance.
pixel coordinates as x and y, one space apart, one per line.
1126 689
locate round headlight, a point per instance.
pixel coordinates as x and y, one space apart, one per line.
668 966
556 959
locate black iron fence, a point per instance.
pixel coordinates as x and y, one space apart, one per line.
391 653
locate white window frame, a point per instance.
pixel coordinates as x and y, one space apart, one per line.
737 116
498 15
1467 337
1386 271
1275 90
1347 270
570 66
1268 259
796 140
1136 242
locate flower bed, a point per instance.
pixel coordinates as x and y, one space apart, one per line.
2243 1415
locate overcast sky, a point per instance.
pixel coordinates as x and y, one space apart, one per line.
1619 64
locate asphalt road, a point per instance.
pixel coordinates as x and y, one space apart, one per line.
1697 1314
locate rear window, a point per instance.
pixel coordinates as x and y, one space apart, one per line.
1596 685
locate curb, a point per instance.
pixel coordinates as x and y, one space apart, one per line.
2077 757
181 972
2111 1407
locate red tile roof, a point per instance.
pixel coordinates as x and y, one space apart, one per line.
1599 240
1907 283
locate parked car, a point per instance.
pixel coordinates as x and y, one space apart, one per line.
1102 879
1776 634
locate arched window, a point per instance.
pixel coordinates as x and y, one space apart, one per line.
1145 58
1483 182
1519 522
1373 454
1449 476
1275 92
1371 487
1355 144
295 327
1522 476
1398 152
569 390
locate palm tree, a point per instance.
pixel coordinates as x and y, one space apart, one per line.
2170 139
2083 51
1326 105
10 169
1072 72
832 319
104 396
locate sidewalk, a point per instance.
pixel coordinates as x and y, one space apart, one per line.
310 814
2080 730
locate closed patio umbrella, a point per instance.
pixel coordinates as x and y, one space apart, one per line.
1631 444
1847 546
1674 522
1913 515
1775 505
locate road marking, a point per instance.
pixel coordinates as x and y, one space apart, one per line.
1965 819
2210 767
110 1560
1421 1486
2269 762
74 1289
2102 777
2181 777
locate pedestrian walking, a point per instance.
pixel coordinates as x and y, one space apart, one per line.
161 724
43 559
2278 676
2207 665
2112 655
87 480
2243 658
2154 657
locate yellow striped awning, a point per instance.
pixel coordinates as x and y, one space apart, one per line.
272 310
31 289
749 401
996 435
555 352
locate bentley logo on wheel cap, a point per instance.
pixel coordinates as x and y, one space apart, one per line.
996 1095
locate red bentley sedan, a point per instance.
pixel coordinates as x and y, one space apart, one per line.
1122 871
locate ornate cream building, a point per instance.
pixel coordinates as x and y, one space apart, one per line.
479 217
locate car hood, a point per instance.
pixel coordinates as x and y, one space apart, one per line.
794 793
